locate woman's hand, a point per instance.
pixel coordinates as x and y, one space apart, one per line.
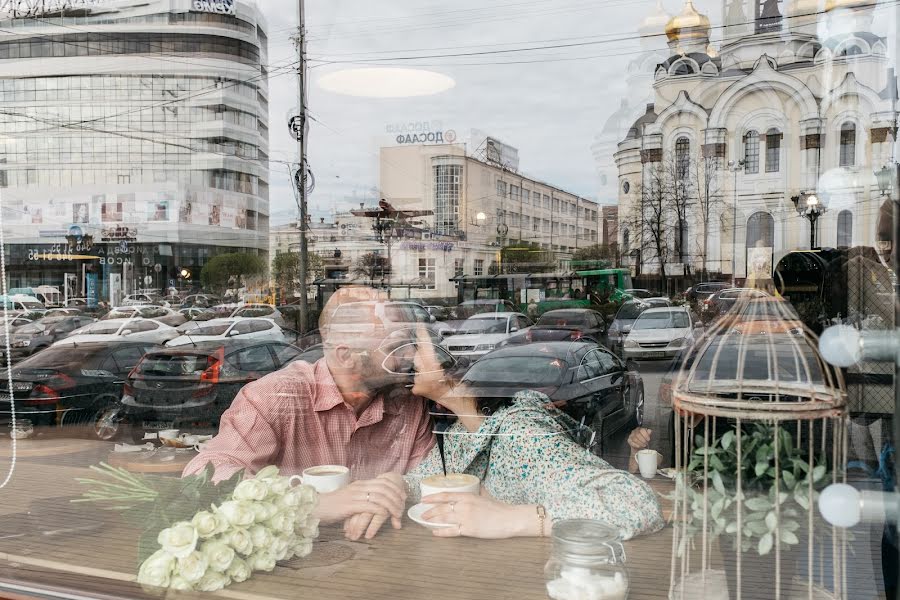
370 523
638 440
481 517
382 497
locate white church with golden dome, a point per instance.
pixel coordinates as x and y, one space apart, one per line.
791 98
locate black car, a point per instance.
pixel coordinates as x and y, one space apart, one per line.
721 302
702 291
192 385
583 379
562 325
78 386
41 334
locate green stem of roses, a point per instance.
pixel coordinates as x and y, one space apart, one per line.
120 474
112 486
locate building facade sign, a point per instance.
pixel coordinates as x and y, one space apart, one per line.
219 7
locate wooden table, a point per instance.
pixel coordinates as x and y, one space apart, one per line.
409 563
160 461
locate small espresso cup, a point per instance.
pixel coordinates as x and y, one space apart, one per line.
648 461
456 483
324 478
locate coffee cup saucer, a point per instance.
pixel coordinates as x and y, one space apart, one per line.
415 513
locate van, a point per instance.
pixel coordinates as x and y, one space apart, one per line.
22 303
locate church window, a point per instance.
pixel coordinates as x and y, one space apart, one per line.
751 153
682 157
848 145
845 229
773 151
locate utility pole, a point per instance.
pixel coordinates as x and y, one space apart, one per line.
301 178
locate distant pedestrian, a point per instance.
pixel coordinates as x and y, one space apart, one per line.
532 309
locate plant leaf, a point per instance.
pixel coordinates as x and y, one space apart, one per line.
757 504
717 508
789 538
728 439
765 544
818 473
789 480
761 468
731 528
717 482
772 520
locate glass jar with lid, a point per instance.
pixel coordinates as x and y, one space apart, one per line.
587 562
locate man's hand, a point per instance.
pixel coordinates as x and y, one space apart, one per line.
383 497
638 440
370 523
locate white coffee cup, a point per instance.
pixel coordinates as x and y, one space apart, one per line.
648 461
324 478
455 483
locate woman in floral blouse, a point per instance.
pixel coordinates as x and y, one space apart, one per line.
533 472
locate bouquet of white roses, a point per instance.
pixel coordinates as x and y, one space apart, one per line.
249 526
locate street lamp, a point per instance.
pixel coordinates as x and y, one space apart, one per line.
734 167
809 208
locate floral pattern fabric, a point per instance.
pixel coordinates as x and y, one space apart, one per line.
525 454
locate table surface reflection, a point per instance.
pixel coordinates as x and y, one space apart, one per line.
407 563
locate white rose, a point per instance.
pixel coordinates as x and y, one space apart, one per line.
302 548
212 582
208 524
262 561
181 584
179 540
289 500
269 472
281 548
262 537
239 514
308 495
218 554
157 569
282 523
310 530
279 486
241 540
263 511
192 567
239 570
251 489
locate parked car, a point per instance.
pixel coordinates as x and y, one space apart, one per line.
483 332
121 330
364 318
565 324
69 312
77 302
193 385
470 308
765 316
721 302
197 314
22 304
660 333
164 315
640 293
622 322
79 386
586 381
702 291
223 329
260 310
200 301
41 334
14 321
137 299
440 313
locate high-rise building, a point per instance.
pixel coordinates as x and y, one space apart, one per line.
133 141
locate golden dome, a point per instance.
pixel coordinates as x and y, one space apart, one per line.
656 21
836 4
689 25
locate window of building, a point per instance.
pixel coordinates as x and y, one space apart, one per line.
546 202
478 269
427 272
447 190
626 241
773 151
761 231
526 197
682 157
845 229
751 153
459 267
848 145
501 189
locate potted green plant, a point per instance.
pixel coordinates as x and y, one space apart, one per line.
769 513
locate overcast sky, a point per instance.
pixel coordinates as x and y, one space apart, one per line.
548 103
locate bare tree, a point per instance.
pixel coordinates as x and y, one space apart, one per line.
682 200
372 266
651 221
705 182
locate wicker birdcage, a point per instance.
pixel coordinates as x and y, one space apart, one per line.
760 427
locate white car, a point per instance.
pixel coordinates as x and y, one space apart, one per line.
259 310
136 299
121 330
660 333
164 315
481 333
223 329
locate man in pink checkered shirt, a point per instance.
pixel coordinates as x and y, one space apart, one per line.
351 408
